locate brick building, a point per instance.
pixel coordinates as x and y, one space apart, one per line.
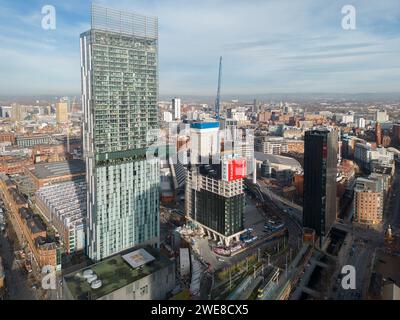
13 164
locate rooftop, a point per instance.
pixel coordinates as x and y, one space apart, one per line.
25 213
32 136
260 156
56 169
65 201
5 178
211 170
18 198
138 258
205 125
114 273
124 22
46 243
33 222
35 225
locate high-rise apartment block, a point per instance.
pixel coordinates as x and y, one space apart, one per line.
237 142
6 111
215 199
320 167
396 134
381 116
119 97
378 134
61 112
205 142
176 107
214 194
361 123
18 112
255 106
368 201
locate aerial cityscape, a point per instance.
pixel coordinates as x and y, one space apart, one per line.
149 154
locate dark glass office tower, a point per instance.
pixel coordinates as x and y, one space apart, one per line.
320 167
215 202
219 213
119 97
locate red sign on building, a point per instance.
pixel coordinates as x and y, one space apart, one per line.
234 169
324 151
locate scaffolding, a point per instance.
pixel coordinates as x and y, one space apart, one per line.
123 22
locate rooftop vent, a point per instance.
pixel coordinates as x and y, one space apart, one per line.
87 273
91 278
96 284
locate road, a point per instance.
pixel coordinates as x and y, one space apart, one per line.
288 214
292 210
391 214
18 285
366 241
278 198
33 280
361 259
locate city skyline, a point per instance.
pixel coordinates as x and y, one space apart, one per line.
172 178
286 48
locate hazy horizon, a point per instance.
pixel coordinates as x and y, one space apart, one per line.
248 98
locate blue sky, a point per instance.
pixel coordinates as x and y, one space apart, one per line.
276 46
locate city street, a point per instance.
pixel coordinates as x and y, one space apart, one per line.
366 241
285 210
17 283
391 215
253 219
361 259
278 198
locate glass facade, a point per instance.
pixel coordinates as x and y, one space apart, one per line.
219 213
320 167
124 90
119 95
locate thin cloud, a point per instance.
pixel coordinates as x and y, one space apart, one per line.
267 46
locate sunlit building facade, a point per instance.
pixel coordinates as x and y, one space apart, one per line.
119 96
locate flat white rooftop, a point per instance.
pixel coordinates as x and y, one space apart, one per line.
138 258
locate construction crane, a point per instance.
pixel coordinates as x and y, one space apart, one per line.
217 100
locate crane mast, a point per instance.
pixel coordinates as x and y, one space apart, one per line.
217 100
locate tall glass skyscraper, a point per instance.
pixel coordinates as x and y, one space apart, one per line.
320 168
119 97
